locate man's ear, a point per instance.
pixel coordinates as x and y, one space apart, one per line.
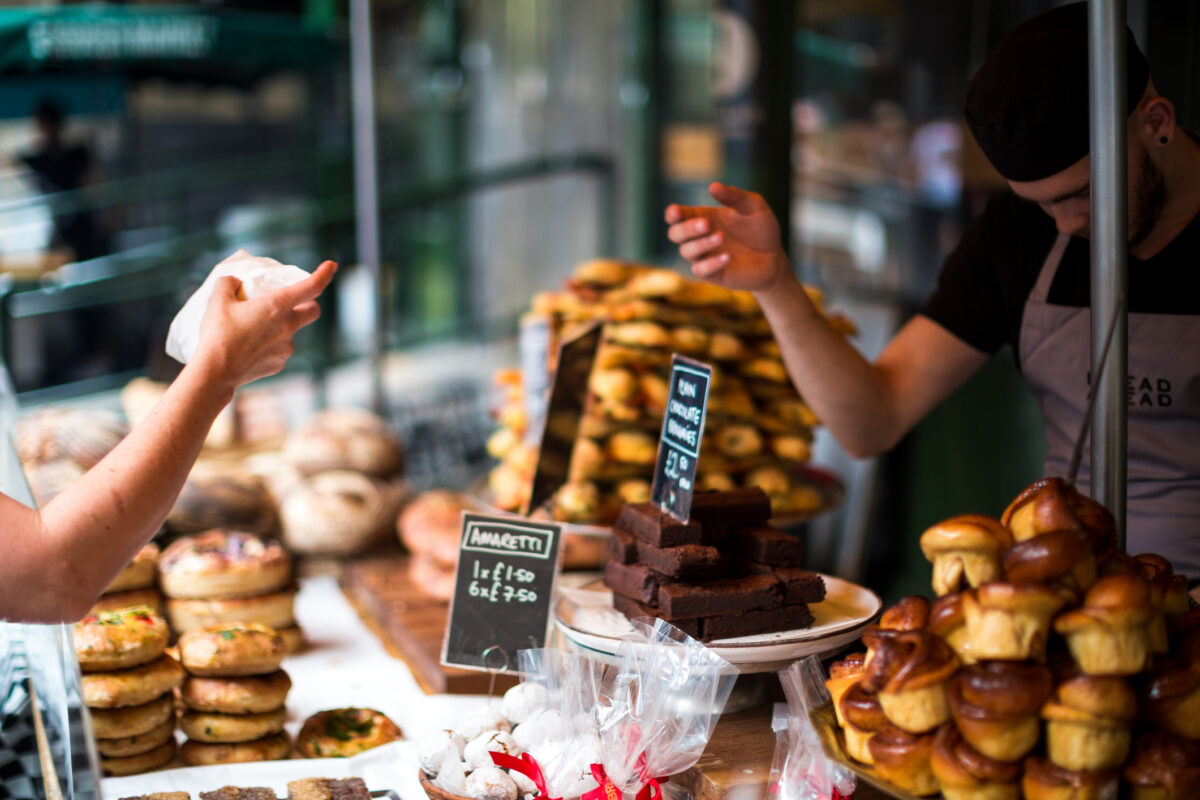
1157 122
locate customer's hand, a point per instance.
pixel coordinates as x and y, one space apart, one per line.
735 245
243 340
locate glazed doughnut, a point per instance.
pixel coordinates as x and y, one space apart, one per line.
231 650
637 334
576 501
144 762
772 480
275 610
690 340
123 723
634 490
345 439
271 748
654 391
725 347
633 447
603 272
739 441
138 743
501 442
253 694
791 448
139 574
715 480
343 732
220 564
766 369
119 639
587 460
131 687
613 385
657 282
202 726
338 513
150 598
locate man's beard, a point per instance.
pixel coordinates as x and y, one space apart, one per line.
1147 199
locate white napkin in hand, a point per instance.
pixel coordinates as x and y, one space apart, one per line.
258 276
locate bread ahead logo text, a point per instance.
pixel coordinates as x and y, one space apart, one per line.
1145 391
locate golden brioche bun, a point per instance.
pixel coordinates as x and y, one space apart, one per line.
965 551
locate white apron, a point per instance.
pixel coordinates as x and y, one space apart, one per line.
1163 390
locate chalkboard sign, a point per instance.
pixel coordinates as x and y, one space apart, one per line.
502 591
564 411
682 432
534 344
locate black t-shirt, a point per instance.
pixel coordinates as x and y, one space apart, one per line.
981 292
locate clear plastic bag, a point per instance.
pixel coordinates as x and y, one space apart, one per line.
658 707
801 770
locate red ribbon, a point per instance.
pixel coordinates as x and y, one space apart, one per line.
607 789
652 790
528 766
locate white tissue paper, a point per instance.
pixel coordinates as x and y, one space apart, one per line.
258 275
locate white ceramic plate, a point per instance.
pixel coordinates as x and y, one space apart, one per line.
586 617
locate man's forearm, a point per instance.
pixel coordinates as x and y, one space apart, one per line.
845 391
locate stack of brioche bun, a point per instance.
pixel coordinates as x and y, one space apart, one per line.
758 428
136 585
222 576
1052 666
348 492
234 694
128 685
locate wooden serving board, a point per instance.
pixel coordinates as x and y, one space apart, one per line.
411 625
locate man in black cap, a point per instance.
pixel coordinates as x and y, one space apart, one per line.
1020 276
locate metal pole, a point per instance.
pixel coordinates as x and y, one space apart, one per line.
1110 243
366 182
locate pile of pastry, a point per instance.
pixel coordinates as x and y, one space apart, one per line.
758 428
1052 664
304 789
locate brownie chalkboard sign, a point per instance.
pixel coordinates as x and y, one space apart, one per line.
502 592
679 442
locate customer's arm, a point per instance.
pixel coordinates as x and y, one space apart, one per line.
57 560
867 407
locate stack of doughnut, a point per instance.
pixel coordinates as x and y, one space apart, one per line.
1052 665
234 694
222 576
128 685
136 585
758 428
347 493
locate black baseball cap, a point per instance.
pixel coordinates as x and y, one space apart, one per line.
1027 106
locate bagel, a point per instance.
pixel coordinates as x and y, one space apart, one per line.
139 743
144 762
231 650
119 639
131 687
275 610
123 723
202 726
344 732
221 564
139 574
253 694
270 748
149 597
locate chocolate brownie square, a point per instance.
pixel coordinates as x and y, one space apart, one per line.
623 547
689 562
768 545
651 524
747 623
633 580
725 596
732 507
800 585
633 609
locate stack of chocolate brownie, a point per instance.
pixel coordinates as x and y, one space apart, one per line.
724 573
